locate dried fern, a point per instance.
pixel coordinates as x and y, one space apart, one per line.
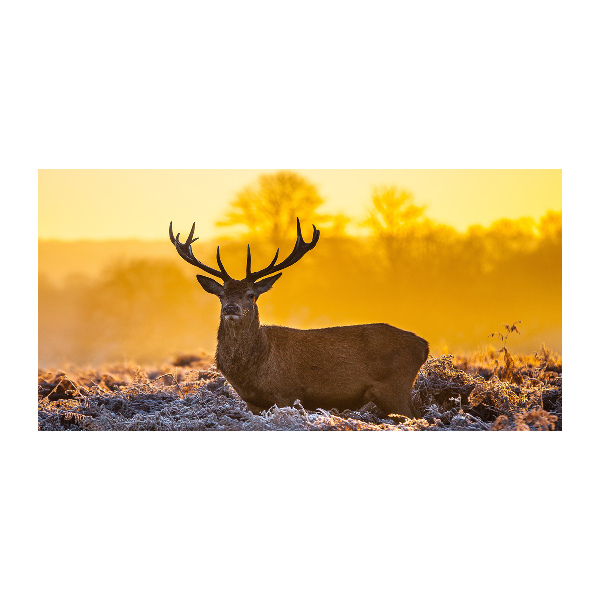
452 394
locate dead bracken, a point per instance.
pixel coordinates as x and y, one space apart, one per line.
189 394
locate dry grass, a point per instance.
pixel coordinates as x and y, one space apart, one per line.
474 393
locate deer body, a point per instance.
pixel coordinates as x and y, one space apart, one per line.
334 367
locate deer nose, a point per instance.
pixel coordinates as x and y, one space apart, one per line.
232 309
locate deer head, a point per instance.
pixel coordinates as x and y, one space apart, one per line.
238 296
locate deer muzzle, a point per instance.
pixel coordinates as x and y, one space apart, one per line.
231 312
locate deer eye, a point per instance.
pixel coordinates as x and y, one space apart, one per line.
251 295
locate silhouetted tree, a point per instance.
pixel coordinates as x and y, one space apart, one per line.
507 237
268 209
550 227
391 214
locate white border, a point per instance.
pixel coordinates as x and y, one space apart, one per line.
317 85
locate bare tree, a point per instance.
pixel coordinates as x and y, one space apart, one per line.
550 226
391 214
269 208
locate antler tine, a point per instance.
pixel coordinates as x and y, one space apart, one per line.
300 249
191 238
248 263
274 259
185 251
299 230
221 266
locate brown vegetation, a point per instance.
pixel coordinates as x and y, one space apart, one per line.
455 394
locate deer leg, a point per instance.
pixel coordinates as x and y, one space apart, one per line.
255 410
391 400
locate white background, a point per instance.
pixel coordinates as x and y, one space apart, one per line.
299 85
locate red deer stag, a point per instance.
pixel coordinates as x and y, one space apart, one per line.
335 367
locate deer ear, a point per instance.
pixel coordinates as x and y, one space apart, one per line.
210 285
264 285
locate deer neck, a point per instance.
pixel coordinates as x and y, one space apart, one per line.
241 345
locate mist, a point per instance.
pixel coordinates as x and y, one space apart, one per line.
139 302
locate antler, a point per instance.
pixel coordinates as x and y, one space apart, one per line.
300 249
185 251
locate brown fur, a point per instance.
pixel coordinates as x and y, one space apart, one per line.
335 367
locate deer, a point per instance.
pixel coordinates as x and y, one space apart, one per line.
345 367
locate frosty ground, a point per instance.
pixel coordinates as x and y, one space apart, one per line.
480 392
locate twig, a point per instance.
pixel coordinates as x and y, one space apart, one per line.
175 380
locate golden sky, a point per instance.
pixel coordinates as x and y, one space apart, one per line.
120 203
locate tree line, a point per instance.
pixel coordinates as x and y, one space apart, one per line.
451 287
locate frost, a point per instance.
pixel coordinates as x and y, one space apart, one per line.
452 394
